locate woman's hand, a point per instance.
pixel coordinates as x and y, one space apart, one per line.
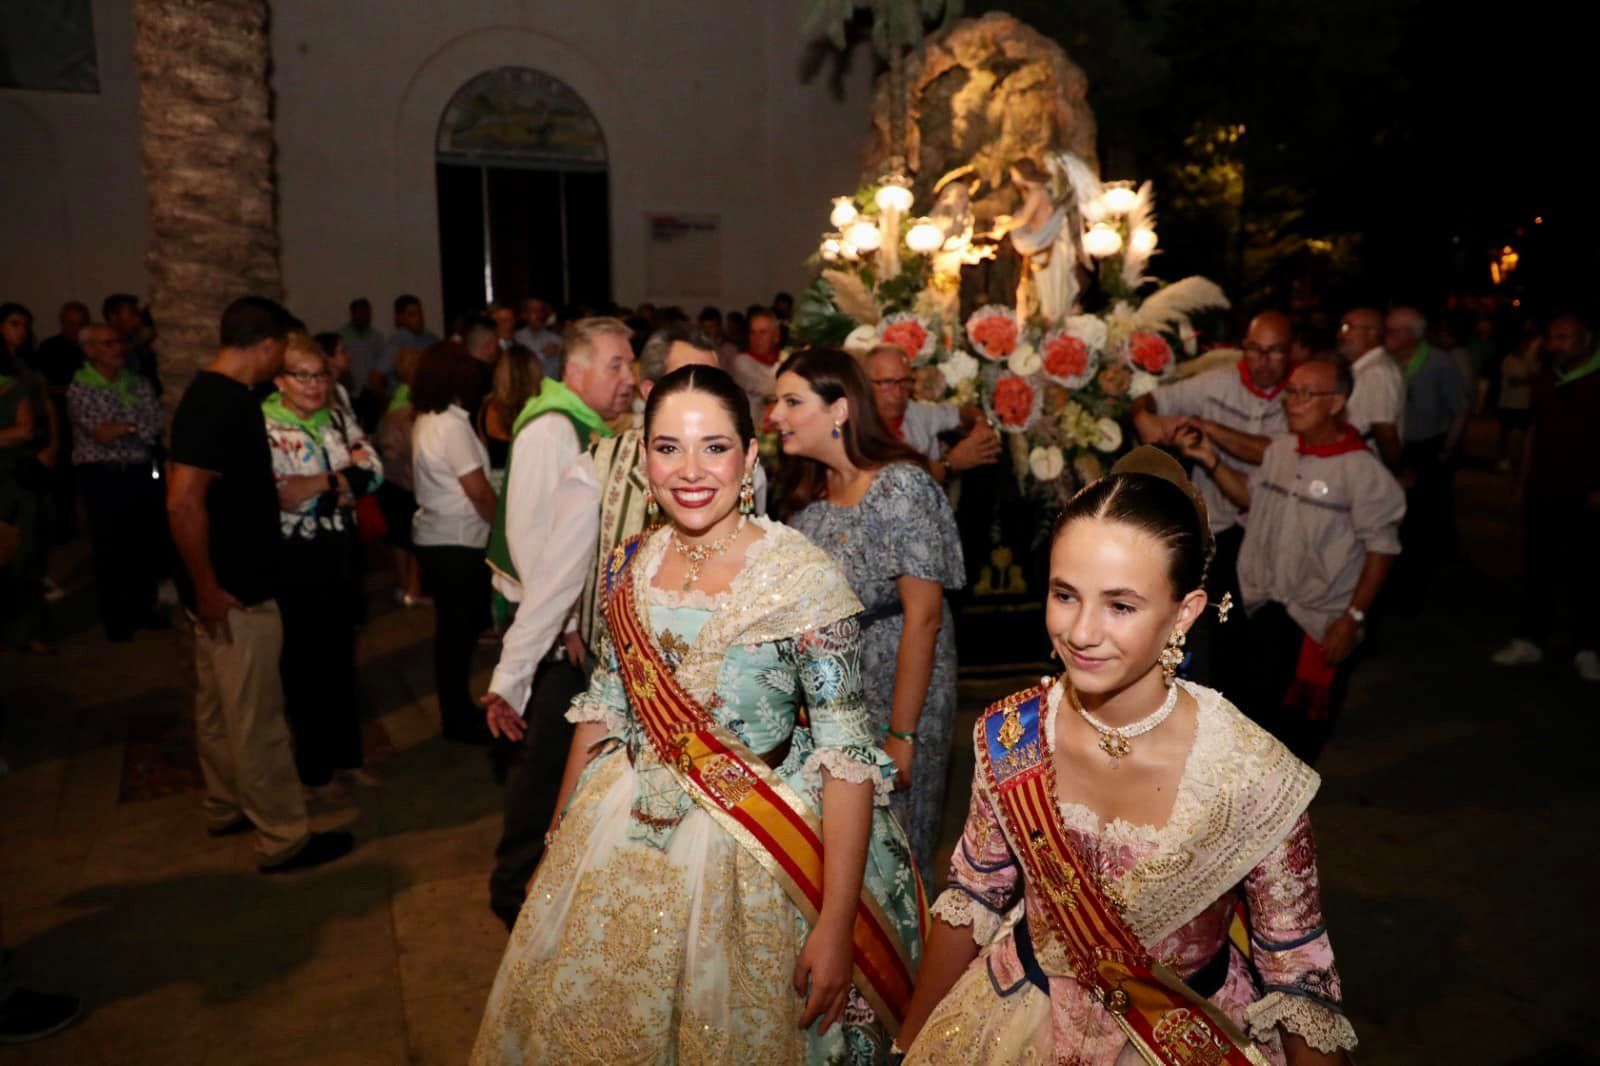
902 752
825 963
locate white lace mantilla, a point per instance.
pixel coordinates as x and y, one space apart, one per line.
842 766
958 909
1326 1030
1240 794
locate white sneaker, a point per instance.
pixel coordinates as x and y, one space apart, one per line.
1587 664
1518 653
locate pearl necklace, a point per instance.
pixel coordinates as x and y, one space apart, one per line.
694 555
1115 742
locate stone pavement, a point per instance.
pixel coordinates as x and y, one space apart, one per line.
1455 827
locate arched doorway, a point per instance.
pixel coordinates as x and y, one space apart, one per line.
524 207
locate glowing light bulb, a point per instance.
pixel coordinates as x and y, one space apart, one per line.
1119 199
1142 240
865 236
1102 240
844 212
1095 211
924 237
893 198
831 250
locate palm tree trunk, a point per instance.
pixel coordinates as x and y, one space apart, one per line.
897 108
206 120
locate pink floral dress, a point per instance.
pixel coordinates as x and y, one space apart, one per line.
1179 886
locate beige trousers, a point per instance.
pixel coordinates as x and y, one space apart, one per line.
241 734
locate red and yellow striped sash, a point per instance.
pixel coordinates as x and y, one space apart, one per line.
747 798
1166 1021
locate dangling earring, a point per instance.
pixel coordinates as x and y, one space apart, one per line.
1172 656
836 426
651 511
1224 605
747 494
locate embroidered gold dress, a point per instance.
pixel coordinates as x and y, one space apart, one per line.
650 935
1238 831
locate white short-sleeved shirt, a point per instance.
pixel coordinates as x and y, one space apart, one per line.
443 450
1313 519
1220 396
1379 395
925 421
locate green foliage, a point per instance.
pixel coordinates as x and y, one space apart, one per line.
895 23
817 321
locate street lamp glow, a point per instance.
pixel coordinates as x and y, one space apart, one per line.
894 198
1102 240
924 238
865 236
844 212
1142 240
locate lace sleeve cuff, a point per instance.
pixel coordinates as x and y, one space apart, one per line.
1317 1024
589 711
956 908
844 765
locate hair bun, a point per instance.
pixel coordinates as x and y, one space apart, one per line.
1147 459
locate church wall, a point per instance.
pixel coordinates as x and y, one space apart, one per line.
702 106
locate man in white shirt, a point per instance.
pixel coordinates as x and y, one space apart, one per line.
921 424
1324 532
756 368
1238 409
542 548
537 336
1377 407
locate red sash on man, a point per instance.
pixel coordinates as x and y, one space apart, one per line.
1167 1022
744 795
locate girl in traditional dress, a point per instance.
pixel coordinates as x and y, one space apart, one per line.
683 911
1118 820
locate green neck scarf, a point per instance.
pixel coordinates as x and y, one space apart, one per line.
1582 370
274 408
402 398
123 385
553 398
1419 359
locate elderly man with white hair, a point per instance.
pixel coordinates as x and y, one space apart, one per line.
1436 415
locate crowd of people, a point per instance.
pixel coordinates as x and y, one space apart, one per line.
687 658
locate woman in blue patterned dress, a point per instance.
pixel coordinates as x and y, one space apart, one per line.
658 928
869 502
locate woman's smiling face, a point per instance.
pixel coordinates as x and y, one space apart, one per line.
694 461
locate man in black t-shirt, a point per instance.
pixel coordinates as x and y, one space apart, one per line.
222 502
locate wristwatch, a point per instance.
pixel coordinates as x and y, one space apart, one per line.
1357 613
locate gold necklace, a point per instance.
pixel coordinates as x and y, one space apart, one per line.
695 554
1115 742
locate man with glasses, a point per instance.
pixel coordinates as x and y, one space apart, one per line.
1324 532
1237 409
921 424
1377 407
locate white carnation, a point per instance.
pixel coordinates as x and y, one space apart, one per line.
1089 329
1025 361
1046 463
1110 435
1141 384
959 368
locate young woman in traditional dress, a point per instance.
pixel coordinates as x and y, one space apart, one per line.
683 911
1118 820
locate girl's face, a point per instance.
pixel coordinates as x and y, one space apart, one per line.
304 382
14 330
694 461
339 365
1111 609
805 422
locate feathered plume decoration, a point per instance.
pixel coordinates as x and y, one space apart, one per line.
1075 174
1142 215
1167 307
851 295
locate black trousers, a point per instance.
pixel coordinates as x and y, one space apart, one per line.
532 786
1427 533
318 664
1273 640
127 530
458 577
1561 538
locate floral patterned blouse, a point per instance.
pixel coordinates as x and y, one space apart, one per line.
321 445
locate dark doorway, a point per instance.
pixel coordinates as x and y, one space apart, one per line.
524 201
